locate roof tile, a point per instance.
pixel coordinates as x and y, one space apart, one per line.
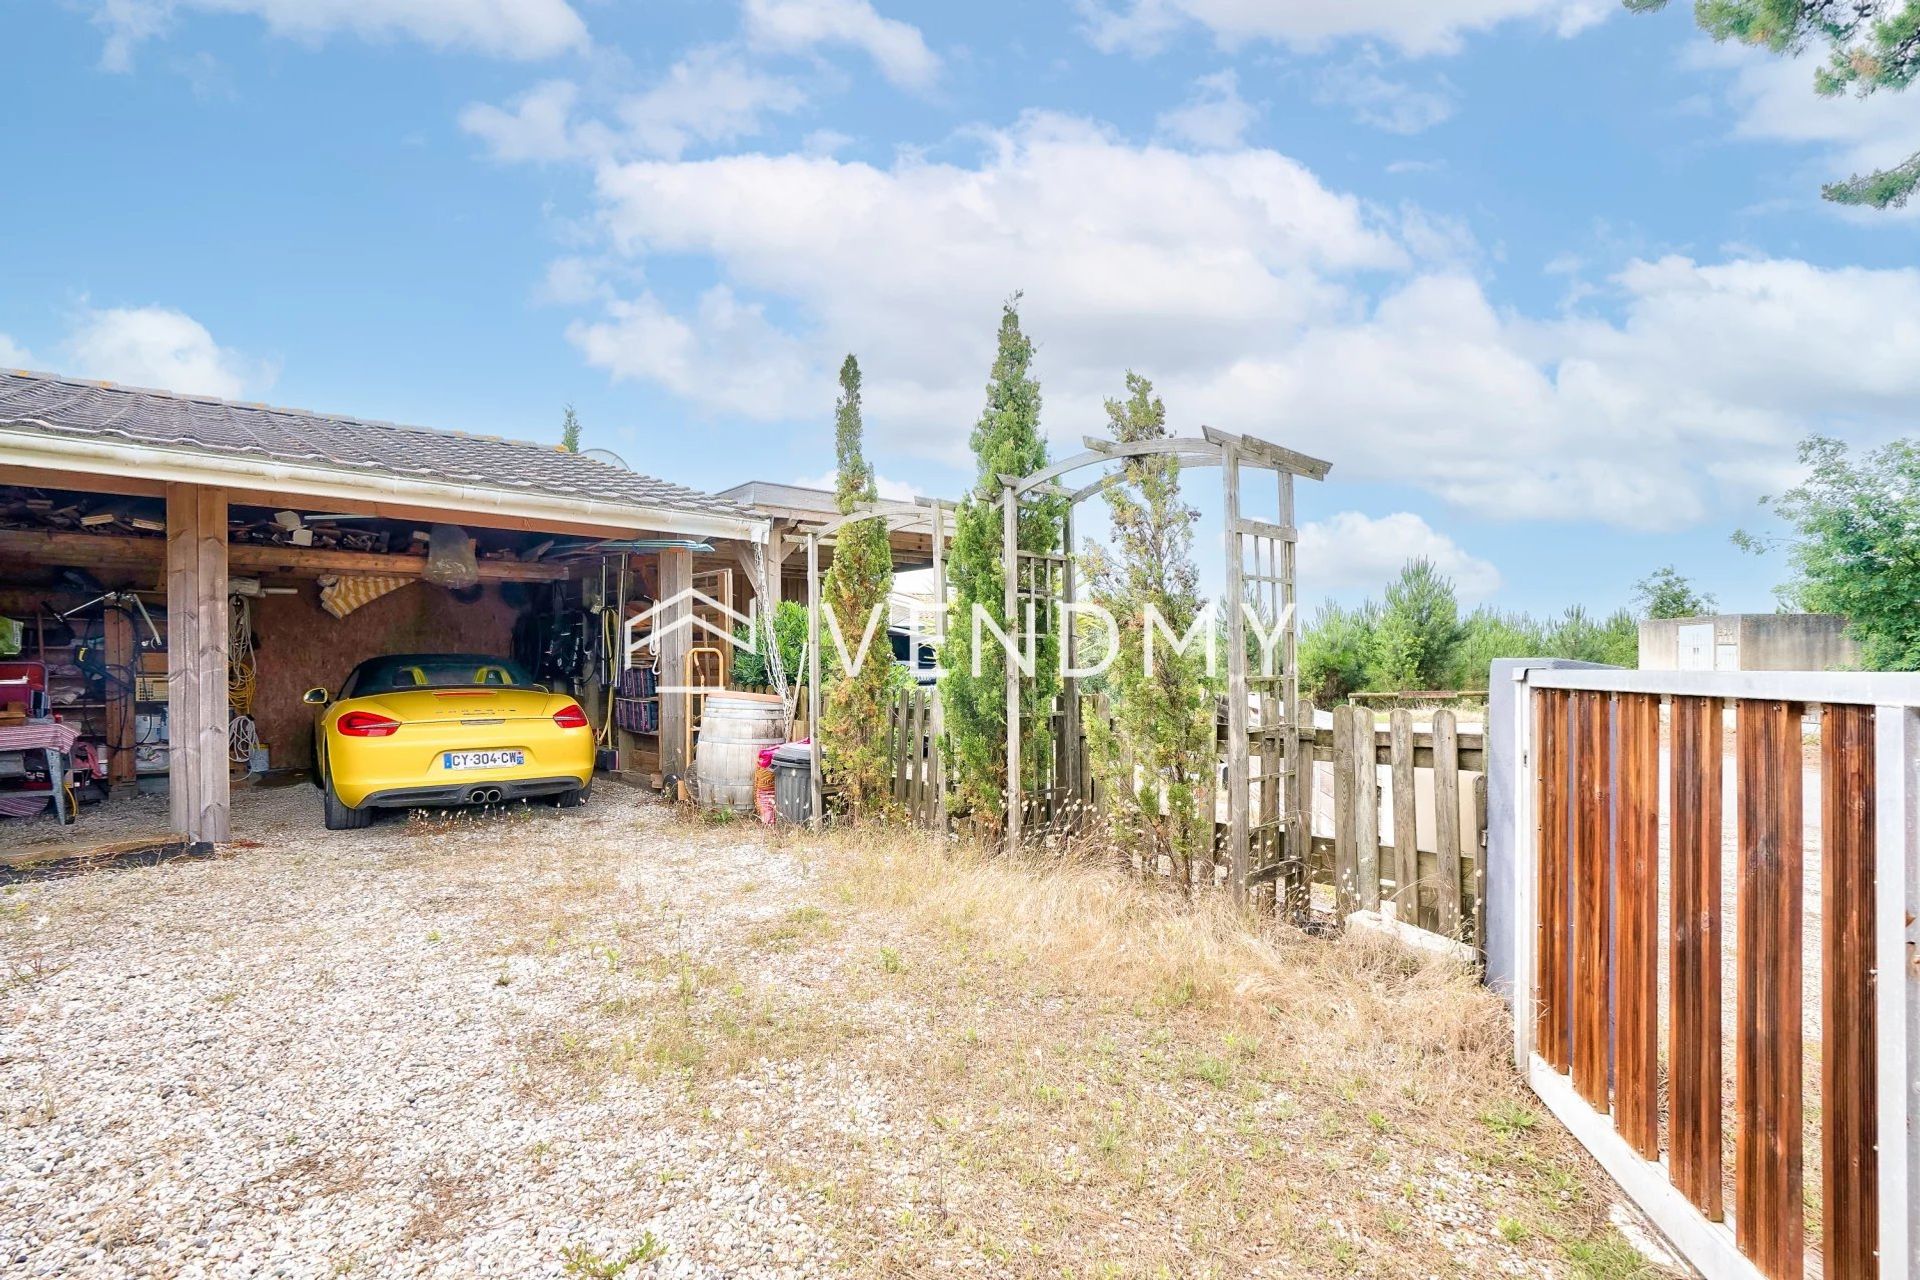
72 408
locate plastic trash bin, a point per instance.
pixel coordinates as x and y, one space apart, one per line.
792 782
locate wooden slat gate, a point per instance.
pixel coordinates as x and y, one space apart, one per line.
1435 781
919 773
1820 774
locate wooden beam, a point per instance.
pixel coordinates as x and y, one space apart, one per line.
1262 453
126 551
84 481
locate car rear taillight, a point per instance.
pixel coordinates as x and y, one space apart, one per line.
365 724
570 717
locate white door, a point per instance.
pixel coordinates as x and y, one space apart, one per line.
1696 646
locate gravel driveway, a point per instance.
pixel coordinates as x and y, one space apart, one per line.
616 1042
307 1059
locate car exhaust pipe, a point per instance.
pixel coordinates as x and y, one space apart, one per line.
484 795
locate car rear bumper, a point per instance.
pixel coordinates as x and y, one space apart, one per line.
479 791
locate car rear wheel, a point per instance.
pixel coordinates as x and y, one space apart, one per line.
341 816
574 797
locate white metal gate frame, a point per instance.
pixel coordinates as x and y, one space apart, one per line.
1710 1245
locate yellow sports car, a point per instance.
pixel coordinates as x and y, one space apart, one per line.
424 729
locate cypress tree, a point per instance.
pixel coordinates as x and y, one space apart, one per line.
853 718
1156 761
1006 441
570 431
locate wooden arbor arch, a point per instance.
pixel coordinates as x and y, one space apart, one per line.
1260 572
931 513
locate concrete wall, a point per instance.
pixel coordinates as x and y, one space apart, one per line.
1754 642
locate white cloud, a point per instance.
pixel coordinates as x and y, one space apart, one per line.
1375 99
1258 300
161 348
520 29
537 126
1353 550
793 26
890 490
709 96
13 355
725 356
1126 253
572 282
1216 117
1413 26
1634 422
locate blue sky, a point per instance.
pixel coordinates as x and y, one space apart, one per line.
1549 283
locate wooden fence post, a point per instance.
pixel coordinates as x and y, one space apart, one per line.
1366 806
1446 825
1406 853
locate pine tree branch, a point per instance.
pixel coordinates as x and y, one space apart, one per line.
1887 189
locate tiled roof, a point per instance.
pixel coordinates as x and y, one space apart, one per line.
75 409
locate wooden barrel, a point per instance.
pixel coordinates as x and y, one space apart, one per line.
734 729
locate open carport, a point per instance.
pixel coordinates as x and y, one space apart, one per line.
176 562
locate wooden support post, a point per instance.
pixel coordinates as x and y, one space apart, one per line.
936 725
123 671
1067 759
673 631
1296 775
198 796
1237 799
1010 563
940 562
815 789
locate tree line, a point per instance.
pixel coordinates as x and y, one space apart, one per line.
1416 638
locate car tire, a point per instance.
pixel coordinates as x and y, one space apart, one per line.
340 815
573 797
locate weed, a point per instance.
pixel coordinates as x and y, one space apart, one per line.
1512 1230
1212 1070
579 1260
891 962
1609 1257
1510 1119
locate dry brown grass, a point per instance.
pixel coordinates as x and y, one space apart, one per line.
1111 1080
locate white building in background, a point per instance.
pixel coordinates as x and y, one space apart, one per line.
1748 642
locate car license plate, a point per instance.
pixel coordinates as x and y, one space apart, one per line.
483 759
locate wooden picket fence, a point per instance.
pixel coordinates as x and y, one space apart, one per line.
1412 844
1404 827
919 773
